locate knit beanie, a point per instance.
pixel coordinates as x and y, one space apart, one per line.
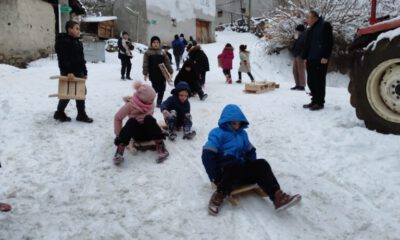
144 92
154 38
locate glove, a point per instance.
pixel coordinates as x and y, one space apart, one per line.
117 141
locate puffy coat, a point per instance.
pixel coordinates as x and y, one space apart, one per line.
151 59
226 145
173 103
244 62
319 41
189 77
178 47
70 55
226 58
200 59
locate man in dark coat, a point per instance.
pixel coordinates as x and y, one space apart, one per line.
71 62
177 49
201 64
318 48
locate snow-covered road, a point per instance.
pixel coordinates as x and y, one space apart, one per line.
62 184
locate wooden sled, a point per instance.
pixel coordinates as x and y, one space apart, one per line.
260 87
166 74
243 189
135 147
74 89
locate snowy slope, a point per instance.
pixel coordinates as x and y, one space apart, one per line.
61 181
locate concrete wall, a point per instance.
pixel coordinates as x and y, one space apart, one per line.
27 31
128 22
258 8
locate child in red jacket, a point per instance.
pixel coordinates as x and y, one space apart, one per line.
225 60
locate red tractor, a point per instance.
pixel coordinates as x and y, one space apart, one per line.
375 77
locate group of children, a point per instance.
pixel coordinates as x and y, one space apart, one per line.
225 61
228 157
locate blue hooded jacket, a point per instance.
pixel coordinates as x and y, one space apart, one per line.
226 145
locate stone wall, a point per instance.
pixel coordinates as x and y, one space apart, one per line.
27 31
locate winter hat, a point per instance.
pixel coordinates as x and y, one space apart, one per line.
242 47
181 86
176 37
154 38
144 92
182 35
228 45
300 28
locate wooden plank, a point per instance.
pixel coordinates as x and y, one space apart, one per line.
65 78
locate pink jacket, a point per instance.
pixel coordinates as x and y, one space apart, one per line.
134 109
226 58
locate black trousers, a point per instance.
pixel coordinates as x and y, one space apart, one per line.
316 80
80 106
249 73
258 171
177 60
202 79
140 132
159 86
126 66
227 72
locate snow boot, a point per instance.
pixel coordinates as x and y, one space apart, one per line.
229 80
283 201
215 203
172 135
203 96
128 78
308 105
4 207
161 151
171 124
119 154
84 118
61 116
188 134
239 81
316 107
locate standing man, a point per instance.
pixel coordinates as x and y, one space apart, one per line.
318 48
177 49
71 62
299 71
151 69
125 48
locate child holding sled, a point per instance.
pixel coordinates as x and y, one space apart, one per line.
188 74
151 69
141 126
230 160
225 60
176 111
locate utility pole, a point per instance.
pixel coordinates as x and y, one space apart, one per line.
249 15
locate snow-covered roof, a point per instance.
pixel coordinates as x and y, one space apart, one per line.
98 19
183 9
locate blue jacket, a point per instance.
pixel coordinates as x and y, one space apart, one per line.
226 145
178 48
173 102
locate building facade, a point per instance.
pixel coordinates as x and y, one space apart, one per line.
165 18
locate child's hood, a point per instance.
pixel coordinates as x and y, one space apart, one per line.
232 113
181 86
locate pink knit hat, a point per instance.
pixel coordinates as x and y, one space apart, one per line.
144 92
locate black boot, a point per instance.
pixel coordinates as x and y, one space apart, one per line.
83 117
61 116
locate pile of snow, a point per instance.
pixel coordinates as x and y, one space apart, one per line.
62 183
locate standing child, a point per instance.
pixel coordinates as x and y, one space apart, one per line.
141 125
188 74
230 159
178 49
244 63
151 60
125 48
176 111
225 61
200 61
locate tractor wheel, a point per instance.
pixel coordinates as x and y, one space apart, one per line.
375 87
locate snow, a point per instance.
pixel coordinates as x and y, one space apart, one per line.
98 19
386 35
62 184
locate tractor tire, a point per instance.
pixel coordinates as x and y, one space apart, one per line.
375 86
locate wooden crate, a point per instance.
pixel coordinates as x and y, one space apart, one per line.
74 89
260 87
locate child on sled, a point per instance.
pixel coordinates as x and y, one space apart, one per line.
141 125
230 160
176 111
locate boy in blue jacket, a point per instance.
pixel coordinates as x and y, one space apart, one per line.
230 160
176 111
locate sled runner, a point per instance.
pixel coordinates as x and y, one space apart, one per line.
243 189
166 74
260 87
74 89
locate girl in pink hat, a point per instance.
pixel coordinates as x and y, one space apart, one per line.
141 125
